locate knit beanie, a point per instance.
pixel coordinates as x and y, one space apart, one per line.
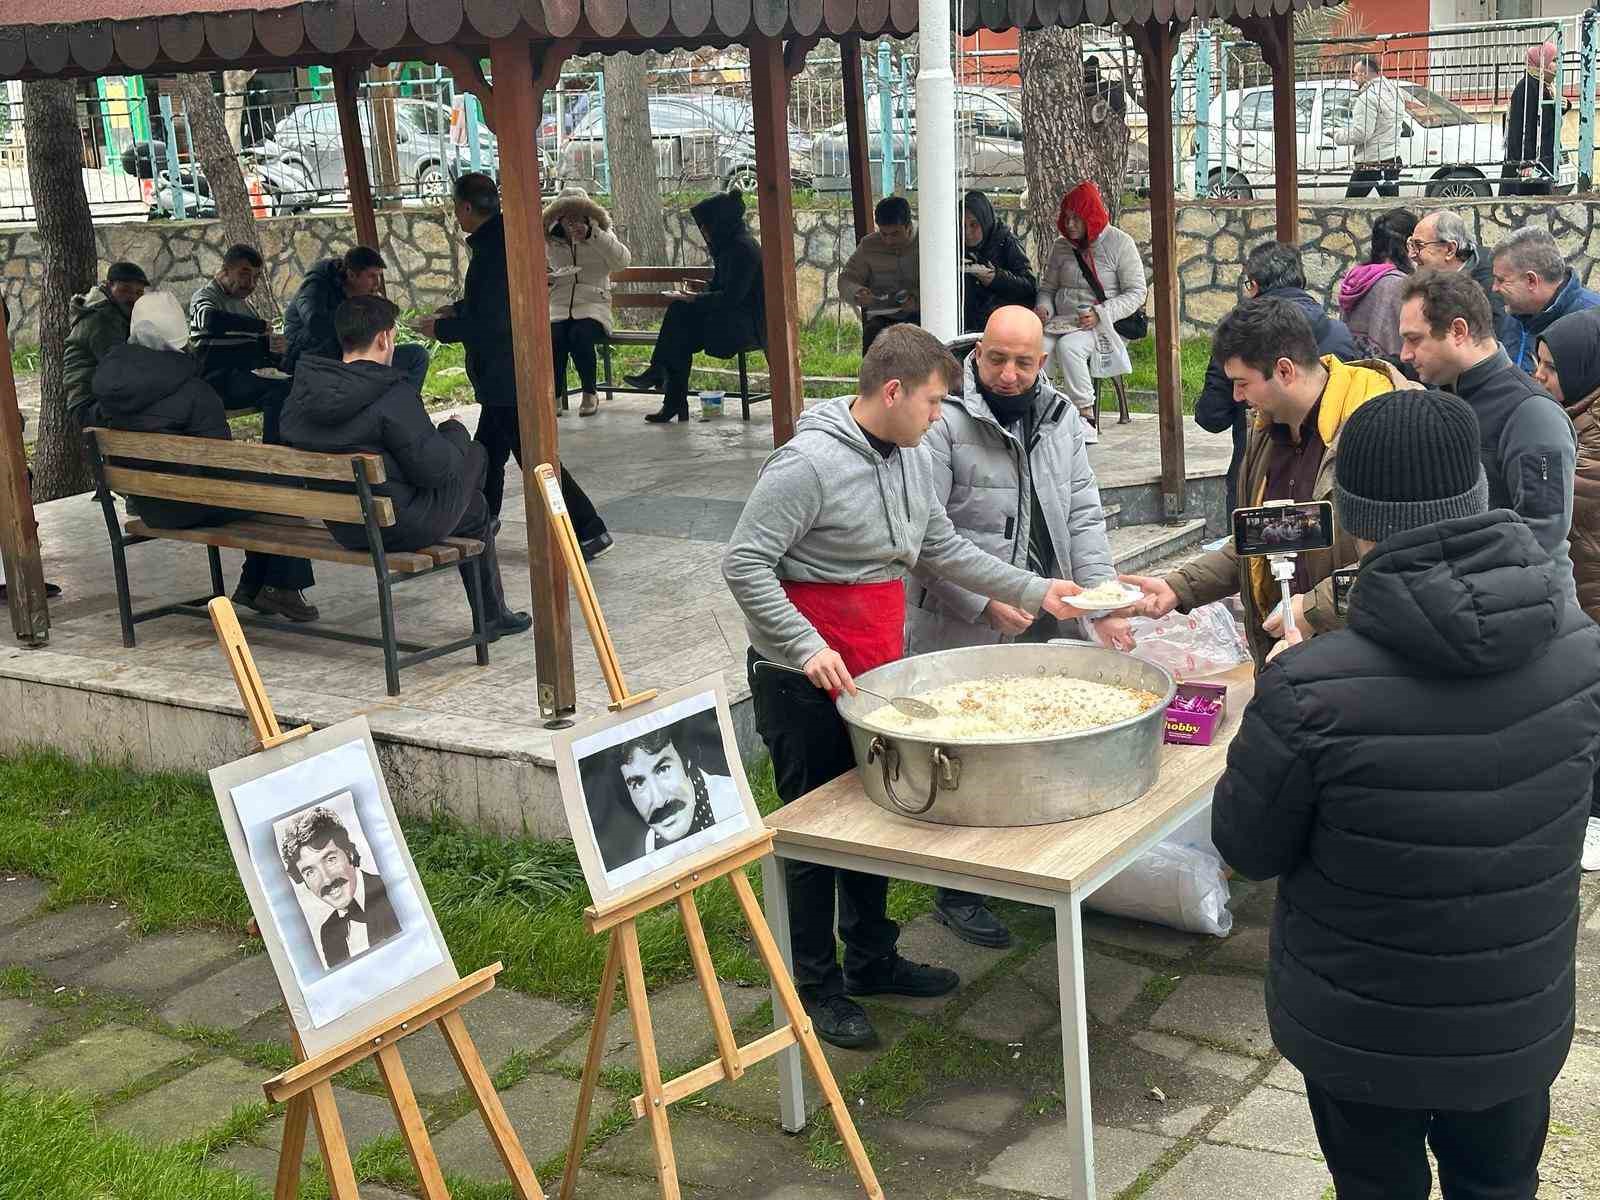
1408 459
158 322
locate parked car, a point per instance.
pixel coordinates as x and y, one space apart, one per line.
1445 150
702 140
988 141
285 179
428 161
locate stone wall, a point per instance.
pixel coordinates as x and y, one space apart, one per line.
427 255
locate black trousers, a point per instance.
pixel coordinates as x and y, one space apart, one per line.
1377 1153
682 336
576 339
1385 178
810 745
871 327
501 438
244 389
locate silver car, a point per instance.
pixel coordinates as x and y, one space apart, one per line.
988 141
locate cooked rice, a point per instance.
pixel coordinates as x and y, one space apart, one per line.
1017 706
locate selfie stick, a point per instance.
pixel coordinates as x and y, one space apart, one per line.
1283 572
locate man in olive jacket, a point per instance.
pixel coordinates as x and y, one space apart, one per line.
1300 404
1419 784
100 319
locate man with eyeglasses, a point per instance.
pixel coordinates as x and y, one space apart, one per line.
1443 241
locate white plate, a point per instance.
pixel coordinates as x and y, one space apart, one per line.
1056 326
269 373
1129 591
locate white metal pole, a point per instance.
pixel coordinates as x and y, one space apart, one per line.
939 233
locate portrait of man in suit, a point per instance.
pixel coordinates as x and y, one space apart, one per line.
320 856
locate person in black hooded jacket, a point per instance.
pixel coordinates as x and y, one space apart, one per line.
435 476
997 271
308 320
1272 269
481 320
148 384
729 316
1419 783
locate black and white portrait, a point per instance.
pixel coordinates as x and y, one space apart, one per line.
336 896
657 787
340 887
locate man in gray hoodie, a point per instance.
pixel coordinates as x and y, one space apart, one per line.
837 519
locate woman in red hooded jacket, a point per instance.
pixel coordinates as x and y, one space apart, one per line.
1093 279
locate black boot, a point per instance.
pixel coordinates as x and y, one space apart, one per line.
669 409
646 379
498 621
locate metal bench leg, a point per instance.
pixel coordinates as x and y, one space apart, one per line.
605 360
214 558
391 648
744 386
119 563
480 631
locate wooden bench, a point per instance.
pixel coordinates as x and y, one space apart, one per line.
290 494
666 280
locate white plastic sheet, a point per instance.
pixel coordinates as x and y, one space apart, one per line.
1180 882
1193 645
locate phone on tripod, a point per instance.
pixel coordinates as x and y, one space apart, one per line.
1271 530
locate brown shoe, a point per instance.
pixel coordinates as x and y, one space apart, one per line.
285 602
590 405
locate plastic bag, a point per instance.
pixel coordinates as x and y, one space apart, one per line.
1179 882
1192 645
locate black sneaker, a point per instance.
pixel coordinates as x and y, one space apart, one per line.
973 923
841 1022
594 547
896 976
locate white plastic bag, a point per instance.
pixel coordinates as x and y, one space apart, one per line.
1179 882
1192 645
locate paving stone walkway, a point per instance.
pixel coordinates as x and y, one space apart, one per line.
173 1035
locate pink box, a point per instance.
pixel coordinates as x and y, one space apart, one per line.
1197 729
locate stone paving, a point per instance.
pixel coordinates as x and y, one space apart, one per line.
172 1034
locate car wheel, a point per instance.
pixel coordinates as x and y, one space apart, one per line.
743 178
433 182
1233 186
1459 185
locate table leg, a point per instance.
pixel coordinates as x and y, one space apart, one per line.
791 1079
1075 1047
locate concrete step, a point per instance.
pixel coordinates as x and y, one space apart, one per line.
1136 547
1113 515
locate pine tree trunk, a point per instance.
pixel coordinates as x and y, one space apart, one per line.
636 210
234 84
1064 146
66 242
208 135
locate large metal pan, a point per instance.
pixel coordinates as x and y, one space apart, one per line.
1009 781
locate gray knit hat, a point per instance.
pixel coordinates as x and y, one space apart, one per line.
1408 459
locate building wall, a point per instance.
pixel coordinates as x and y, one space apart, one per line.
426 256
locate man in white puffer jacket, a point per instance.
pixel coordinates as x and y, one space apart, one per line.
579 243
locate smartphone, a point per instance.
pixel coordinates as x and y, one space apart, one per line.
1343 580
1283 528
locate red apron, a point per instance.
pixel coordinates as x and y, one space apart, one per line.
863 622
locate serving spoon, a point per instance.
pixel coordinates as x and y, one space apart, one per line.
915 709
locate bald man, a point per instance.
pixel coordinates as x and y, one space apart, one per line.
1011 468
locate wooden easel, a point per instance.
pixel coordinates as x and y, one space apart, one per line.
308 1086
623 957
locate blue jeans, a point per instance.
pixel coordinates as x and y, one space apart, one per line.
411 360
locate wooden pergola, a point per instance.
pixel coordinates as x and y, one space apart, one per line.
525 43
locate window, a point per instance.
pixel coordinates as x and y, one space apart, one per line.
1433 111
430 120
1255 111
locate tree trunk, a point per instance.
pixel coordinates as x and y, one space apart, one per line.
66 242
1064 145
208 134
635 208
385 135
234 84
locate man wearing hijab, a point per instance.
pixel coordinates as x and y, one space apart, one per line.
1095 278
997 271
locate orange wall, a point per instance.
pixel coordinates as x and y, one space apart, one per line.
998 69
1393 16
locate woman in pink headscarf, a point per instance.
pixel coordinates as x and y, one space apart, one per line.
1531 134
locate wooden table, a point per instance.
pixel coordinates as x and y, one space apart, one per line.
1054 866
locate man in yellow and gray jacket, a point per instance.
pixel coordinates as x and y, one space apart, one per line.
1299 404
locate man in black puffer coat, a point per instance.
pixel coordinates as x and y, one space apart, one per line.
149 384
1420 783
434 475
1272 269
308 320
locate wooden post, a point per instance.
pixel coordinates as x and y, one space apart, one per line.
855 124
1285 133
19 531
385 132
517 107
770 84
357 178
1156 42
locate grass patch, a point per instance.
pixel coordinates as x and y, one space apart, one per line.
54 1148
1158 988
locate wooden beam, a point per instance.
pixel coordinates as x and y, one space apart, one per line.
357 178
1156 42
774 191
19 531
517 104
855 126
467 72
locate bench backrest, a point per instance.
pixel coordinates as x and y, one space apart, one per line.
244 475
665 279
